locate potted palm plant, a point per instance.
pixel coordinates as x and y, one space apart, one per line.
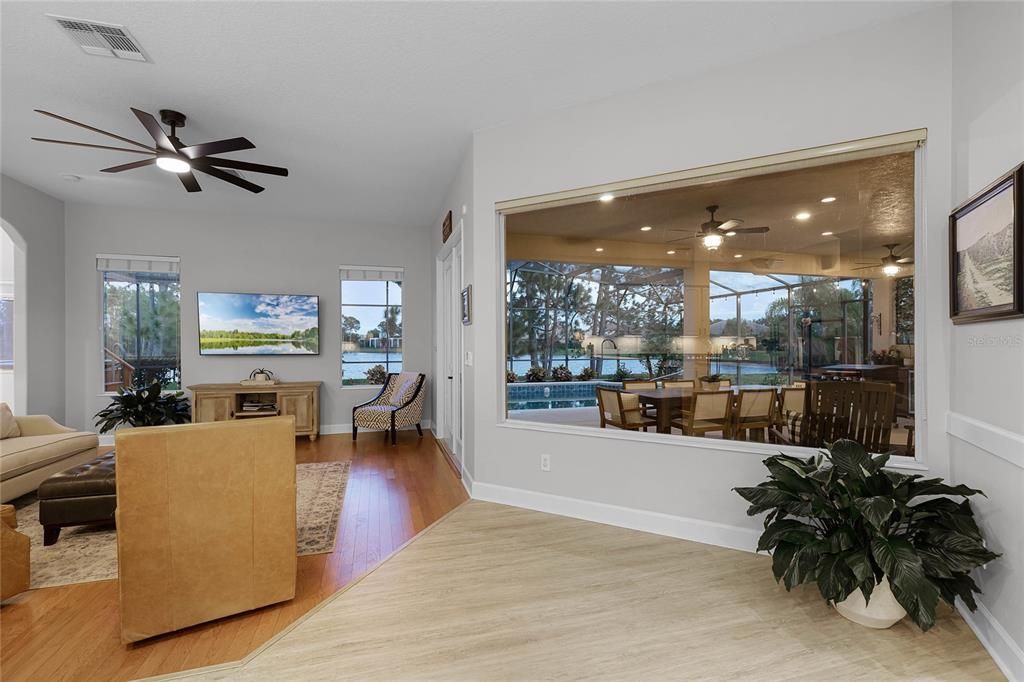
144 405
877 543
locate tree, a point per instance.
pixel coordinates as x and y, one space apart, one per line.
350 328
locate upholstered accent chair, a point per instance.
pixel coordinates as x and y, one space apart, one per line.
399 404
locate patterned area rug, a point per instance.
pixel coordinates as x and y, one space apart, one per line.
87 553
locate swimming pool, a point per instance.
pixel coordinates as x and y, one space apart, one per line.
554 394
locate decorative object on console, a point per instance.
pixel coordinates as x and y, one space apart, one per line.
259 377
986 253
173 155
143 406
842 520
275 324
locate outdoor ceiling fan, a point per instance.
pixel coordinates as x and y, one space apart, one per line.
171 154
890 263
713 232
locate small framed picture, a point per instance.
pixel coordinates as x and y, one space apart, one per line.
986 253
467 304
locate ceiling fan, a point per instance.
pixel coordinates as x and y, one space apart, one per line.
713 232
890 263
171 154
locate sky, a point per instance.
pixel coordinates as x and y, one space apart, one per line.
257 312
365 301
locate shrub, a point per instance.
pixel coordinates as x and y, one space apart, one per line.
561 373
840 520
510 377
376 375
535 374
586 374
146 406
621 373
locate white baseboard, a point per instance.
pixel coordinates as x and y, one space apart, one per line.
697 530
467 481
328 429
997 641
106 439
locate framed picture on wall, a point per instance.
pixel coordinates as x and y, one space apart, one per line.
986 253
467 304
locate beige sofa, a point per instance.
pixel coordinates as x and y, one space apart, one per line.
41 448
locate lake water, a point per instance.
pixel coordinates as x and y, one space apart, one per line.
261 347
637 368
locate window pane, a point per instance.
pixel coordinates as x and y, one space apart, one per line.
141 329
357 292
394 293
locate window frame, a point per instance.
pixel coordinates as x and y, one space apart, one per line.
101 313
910 140
396 274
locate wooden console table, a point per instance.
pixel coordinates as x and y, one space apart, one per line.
220 402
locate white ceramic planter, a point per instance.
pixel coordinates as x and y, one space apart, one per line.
883 611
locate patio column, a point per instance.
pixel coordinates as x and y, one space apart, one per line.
697 315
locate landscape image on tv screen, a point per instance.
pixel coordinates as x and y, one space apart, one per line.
258 324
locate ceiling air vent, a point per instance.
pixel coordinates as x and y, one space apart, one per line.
100 39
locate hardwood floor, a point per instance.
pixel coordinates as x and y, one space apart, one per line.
495 592
72 632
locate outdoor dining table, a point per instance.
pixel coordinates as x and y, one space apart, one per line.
664 399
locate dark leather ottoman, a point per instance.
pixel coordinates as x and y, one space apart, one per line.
81 495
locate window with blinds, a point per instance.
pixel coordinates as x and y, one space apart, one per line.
371 324
140 298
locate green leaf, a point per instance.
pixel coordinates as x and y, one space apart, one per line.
935 486
835 579
802 568
763 497
787 530
860 566
849 457
903 566
782 558
876 510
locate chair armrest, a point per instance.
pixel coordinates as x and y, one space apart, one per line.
40 425
374 399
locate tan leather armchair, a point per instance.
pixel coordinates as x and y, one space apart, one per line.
205 521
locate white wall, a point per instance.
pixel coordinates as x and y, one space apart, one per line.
880 80
986 416
38 220
232 253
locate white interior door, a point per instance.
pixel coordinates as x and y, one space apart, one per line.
445 413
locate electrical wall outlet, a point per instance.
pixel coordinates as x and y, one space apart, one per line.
545 462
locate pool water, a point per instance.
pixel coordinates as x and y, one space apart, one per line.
549 404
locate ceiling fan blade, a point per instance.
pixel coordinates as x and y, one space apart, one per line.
151 125
93 146
751 230
233 144
129 166
189 181
88 127
906 260
246 166
682 239
228 177
730 224
866 267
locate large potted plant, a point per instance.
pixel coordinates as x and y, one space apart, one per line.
874 541
144 406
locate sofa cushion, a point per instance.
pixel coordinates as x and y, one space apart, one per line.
27 453
8 424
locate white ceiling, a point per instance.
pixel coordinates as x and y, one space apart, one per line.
370 105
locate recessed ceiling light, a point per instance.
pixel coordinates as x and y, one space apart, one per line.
827 200
70 177
802 215
826 234
646 228
599 249
606 197
671 252
738 255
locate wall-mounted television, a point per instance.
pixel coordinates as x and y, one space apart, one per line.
258 324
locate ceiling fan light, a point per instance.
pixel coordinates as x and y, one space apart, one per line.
730 233
891 270
712 241
173 164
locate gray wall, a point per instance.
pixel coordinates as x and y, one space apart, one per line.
986 418
39 220
244 254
